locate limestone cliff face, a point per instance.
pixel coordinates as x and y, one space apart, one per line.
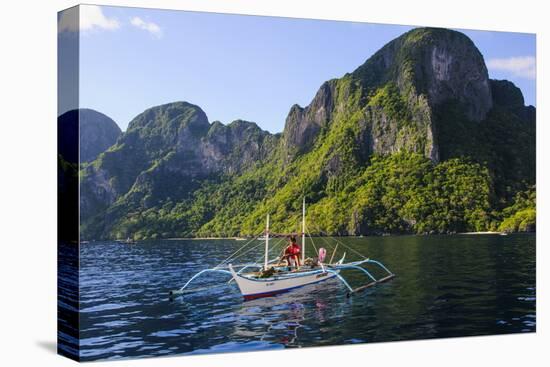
96 193
448 66
88 134
303 124
509 97
165 144
236 146
429 67
98 132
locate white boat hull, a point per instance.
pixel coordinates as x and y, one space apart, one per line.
255 288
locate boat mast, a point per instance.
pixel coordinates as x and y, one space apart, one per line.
266 242
303 229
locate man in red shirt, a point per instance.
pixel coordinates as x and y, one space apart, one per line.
292 253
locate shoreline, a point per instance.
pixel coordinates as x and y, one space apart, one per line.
482 233
243 239
363 236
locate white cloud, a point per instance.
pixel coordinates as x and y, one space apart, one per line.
520 66
91 18
150 27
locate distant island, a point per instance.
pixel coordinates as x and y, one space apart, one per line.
416 140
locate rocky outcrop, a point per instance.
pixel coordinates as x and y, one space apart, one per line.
506 94
448 66
381 135
509 97
440 64
165 144
233 147
83 135
303 124
430 67
98 132
96 193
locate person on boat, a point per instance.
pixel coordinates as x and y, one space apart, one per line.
292 253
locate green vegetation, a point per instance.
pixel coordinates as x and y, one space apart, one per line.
400 193
504 143
521 216
472 189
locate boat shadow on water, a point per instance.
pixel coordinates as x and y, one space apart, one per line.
284 314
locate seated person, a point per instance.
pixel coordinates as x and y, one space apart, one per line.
292 253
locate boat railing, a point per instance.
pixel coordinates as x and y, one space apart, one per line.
181 290
356 265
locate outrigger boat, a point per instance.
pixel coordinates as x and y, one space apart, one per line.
271 277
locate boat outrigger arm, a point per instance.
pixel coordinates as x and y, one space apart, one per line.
271 278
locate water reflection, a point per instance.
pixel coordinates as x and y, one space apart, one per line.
279 319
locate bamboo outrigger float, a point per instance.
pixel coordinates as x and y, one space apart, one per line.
271 277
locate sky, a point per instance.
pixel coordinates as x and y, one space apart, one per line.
241 67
